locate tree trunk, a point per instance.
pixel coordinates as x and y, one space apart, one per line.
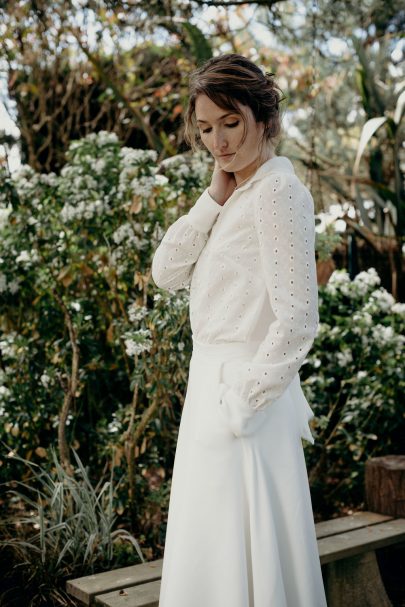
385 485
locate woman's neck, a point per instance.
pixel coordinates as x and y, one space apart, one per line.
246 173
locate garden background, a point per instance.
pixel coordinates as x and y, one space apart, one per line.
93 169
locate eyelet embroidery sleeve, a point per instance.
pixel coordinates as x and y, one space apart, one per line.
285 225
174 259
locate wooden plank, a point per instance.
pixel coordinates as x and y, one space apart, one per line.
349 523
361 540
86 588
145 595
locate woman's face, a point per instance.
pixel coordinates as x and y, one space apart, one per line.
221 132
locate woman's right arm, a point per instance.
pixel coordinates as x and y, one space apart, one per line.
174 259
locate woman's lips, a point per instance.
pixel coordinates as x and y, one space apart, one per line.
226 155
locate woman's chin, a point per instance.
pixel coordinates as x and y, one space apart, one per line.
224 161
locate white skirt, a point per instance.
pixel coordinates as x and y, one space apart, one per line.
240 529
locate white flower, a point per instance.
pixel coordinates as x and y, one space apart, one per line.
142 186
123 232
344 357
172 161
83 209
133 347
45 379
130 156
362 317
114 426
7 348
161 179
23 257
183 170
367 279
383 335
383 299
105 137
4 393
398 308
14 285
338 280
99 165
361 374
76 306
136 312
323 328
4 213
68 213
333 213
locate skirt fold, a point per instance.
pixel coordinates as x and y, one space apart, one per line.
240 529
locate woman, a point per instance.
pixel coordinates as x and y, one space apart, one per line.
240 525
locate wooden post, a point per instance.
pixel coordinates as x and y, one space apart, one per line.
385 485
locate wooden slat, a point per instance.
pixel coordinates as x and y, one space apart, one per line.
361 540
86 588
145 595
337 538
349 523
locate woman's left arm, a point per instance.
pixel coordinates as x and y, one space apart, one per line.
285 225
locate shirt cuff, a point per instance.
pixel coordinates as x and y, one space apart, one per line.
241 419
203 214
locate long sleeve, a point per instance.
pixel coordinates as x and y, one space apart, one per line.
174 259
285 225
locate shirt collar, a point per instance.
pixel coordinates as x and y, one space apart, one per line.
275 164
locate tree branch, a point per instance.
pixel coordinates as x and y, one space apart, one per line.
268 3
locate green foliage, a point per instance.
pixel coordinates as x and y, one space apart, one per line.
326 242
199 44
76 247
64 528
353 378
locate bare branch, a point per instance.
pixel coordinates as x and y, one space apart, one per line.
268 3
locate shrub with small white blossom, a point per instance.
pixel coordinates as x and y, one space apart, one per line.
354 379
75 280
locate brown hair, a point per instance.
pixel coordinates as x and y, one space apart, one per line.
228 79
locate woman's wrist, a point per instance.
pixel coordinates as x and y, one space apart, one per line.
215 196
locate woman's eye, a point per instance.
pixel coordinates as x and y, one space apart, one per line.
229 125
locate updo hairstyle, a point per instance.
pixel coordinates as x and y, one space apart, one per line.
227 79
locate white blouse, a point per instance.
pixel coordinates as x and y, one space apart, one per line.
250 265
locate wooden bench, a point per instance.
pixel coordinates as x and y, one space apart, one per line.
347 554
137 585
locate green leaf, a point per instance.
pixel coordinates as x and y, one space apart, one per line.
369 128
199 44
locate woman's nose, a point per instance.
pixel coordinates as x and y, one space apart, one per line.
220 142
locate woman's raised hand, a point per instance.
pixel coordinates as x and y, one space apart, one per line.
222 184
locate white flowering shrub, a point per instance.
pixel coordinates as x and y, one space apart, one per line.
354 379
75 259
